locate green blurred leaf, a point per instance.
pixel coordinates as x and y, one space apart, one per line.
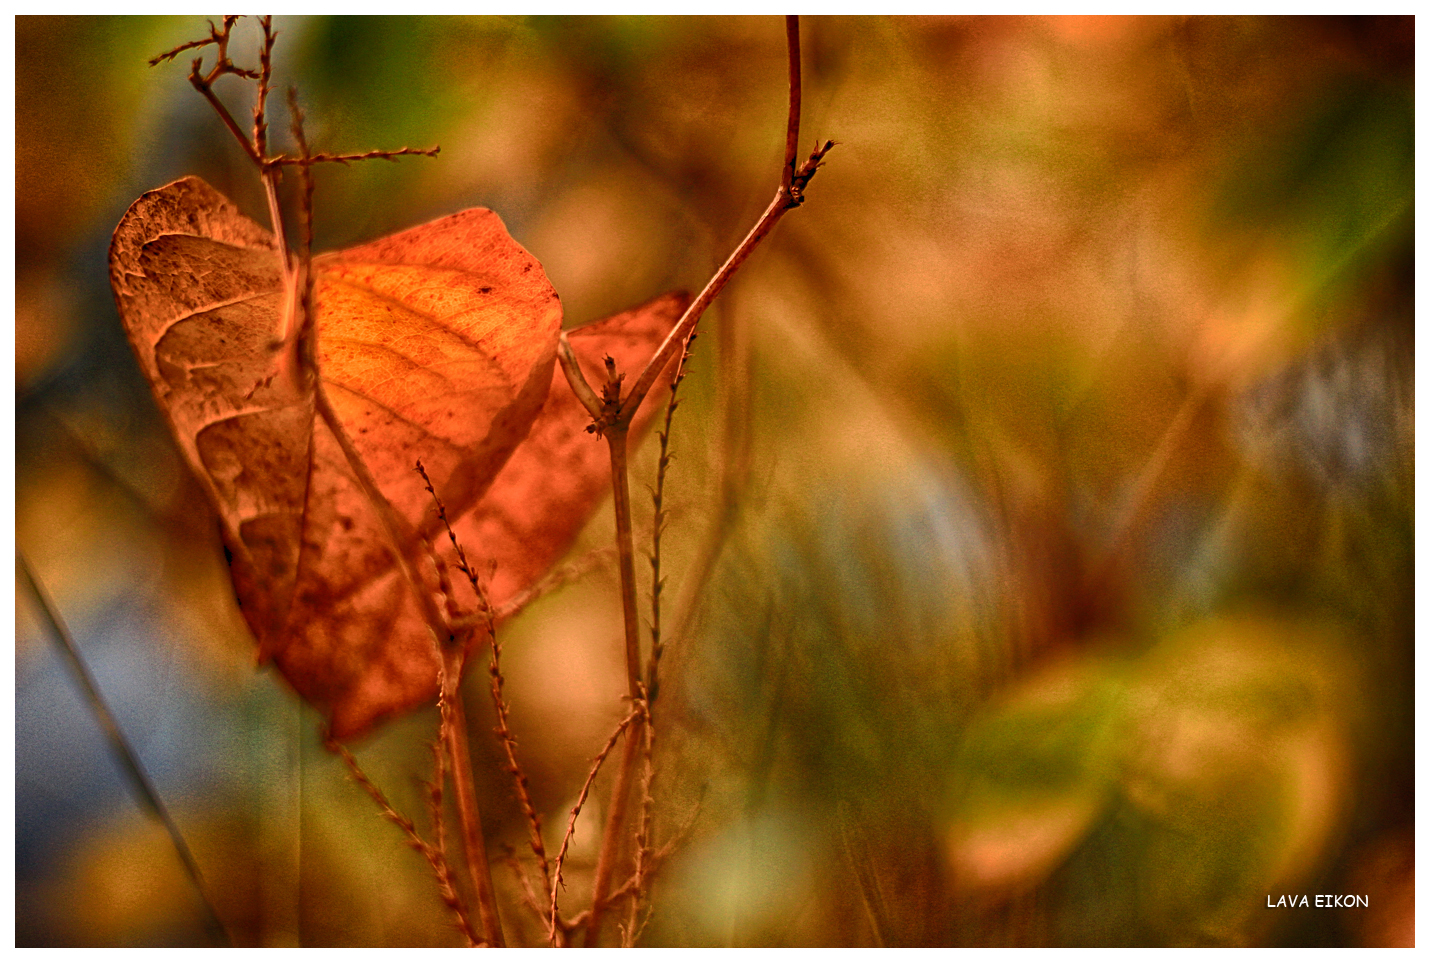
1033 774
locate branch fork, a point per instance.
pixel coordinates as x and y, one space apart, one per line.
611 416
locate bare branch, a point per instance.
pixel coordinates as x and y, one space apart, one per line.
795 88
575 812
435 855
657 859
576 378
789 195
391 155
204 85
652 679
559 577
265 75
777 208
614 421
643 849
615 824
170 55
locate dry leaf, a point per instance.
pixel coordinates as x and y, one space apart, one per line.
435 343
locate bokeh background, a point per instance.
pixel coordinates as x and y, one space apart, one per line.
1059 453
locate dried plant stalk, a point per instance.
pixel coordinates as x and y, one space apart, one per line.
434 854
503 729
575 812
613 415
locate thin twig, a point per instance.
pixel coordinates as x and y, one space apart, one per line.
204 86
255 146
643 851
139 781
789 196
633 926
218 38
657 645
171 54
557 578
611 839
657 859
777 208
503 727
265 76
557 880
795 87
283 160
528 895
577 379
508 741
433 854
203 82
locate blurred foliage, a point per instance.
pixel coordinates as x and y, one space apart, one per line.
1068 599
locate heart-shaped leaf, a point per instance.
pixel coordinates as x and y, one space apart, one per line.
435 343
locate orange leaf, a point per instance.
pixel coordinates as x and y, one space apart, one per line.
437 342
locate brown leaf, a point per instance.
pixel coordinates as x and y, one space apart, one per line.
438 342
